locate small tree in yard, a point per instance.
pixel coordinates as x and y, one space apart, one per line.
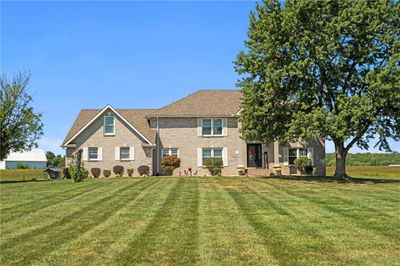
170 163
214 165
322 68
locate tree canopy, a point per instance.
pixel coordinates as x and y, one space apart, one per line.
20 126
328 68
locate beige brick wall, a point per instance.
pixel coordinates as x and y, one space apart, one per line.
124 136
181 133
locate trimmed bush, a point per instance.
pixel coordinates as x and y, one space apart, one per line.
143 170
130 171
308 169
170 163
107 173
214 165
95 172
301 163
66 173
118 170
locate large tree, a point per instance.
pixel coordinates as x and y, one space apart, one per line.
328 68
20 126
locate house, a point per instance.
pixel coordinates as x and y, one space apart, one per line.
202 125
28 159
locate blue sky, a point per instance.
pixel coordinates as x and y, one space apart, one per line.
128 54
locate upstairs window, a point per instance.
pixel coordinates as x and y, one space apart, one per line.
109 125
212 127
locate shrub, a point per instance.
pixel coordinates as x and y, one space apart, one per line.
107 173
22 166
95 172
170 163
143 170
308 169
301 163
130 171
214 165
66 173
118 170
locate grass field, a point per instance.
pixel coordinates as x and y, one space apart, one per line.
21 174
369 171
204 221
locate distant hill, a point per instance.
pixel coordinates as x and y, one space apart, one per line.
366 159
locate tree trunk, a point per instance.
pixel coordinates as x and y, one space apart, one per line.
341 153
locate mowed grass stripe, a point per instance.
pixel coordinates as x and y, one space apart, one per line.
226 237
286 235
174 227
108 237
69 227
20 210
382 223
47 216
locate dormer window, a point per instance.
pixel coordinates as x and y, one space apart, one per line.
109 125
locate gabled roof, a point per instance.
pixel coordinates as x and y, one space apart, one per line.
203 103
27 156
135 118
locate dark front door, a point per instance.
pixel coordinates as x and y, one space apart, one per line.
254 155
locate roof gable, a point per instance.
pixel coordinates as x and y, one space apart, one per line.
134 118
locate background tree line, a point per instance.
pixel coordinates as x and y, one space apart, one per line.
366 159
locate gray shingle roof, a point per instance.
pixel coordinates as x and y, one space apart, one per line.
203 103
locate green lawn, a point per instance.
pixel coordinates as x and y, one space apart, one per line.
204 221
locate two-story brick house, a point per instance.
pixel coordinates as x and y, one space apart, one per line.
201 125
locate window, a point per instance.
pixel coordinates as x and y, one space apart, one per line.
170 152
124 153
207 153
93 153
296 153
109 125
212 127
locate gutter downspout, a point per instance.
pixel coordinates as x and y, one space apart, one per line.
158 147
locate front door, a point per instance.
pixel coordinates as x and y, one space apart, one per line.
254 155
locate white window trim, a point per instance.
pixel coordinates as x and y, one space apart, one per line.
129 153
93 159
212 127
298 153
169 151
104 126
212 153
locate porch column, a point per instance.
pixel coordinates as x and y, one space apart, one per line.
240 146
276 152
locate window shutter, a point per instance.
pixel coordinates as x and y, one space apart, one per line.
85 154
310 154
199 127
225 156
199 157
225 127
117 153
100 153
132 153
178 153
285 156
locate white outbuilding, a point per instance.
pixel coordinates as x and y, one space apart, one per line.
30 159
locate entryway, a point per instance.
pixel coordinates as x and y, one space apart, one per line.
254 155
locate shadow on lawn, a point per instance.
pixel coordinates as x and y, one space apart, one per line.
331 179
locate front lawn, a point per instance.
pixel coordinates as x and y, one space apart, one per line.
204 221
